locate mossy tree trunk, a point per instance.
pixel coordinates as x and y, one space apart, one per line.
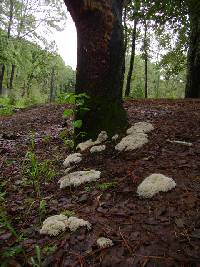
100 58
193 58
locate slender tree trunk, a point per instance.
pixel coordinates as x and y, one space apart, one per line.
12 76
125 37
10 18
193 59
100 57
125 30
8 36
52 90
145 61
1 78
28 85
132 59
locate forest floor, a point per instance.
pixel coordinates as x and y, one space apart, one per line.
161 231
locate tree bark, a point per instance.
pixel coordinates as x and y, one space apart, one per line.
100 56
8 36
125 30
52 90
1 78
132 59
193 58
145 61
12 77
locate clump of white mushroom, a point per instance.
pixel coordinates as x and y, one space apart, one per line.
154 184
136 137
79 177
103 242
56 224
102 137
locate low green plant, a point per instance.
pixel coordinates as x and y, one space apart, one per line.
64 135
79 107
6 223
16 248
35 171
42 209
2 196
48 249
89 188
12 252
32 140
68 213
6 111
46 138
106 186
37 260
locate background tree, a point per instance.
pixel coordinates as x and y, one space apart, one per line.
24 19
193 59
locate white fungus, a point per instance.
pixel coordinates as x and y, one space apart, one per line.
115 137
103 242
136 137
154 184
79 177
132 142
75 223
96 149
102 137
56 224
85 145
67 170
140 127
72 158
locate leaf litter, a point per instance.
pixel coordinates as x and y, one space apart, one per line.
162 231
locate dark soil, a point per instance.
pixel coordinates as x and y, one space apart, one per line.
162 231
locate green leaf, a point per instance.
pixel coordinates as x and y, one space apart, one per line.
67 113
77 123
70 98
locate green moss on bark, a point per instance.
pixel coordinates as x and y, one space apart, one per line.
103 115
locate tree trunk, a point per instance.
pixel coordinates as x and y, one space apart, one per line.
193 59
100 58
125 37
1 78
145 61
8 36
12 76
128 83
125 30
52 90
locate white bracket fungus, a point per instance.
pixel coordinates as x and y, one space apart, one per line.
136 137
102 137
140 127
154 184
96 149
72 158
103 242
115 137
56 224
75 223
132 142
79 177
85 145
